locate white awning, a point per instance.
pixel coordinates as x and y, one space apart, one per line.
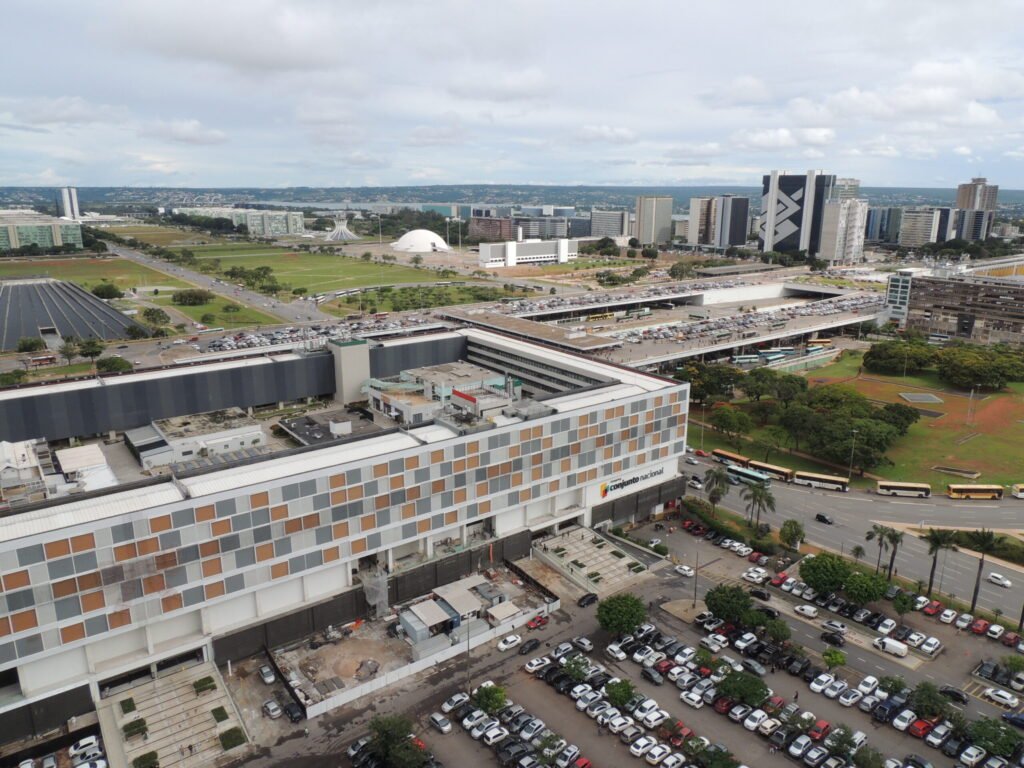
430 613
503 611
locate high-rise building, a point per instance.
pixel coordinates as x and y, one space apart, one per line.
883 225
978 194
732 216
973 224
791 210
69 203
493 228
926 224
609 223
842 231
653 223
846 189
700 229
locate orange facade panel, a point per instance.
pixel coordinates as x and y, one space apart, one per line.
64 588
89 581
340 530
258 500
292 526
152 584
124 552
15 580
93 601
119 618
214 590
5 626
451 518
331 554
212 566
160 524
358 546
82 543
208 548
205 513
278 570
264 552
412 462
338 481
367 522
55 549
171 603
380 470
24 621
72 633
149 546
280 512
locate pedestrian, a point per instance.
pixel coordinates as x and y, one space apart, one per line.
182 750
796 696
191 749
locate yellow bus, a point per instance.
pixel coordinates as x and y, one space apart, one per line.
1017 491
974 491
886 488
820 342
727 457
832 482
601 316
779 473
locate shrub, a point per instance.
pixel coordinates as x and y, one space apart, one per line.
204 684
219 714
579 564
135 728
231 738
617 531
594 575
618 554
764 546
148 760
127 705
661 549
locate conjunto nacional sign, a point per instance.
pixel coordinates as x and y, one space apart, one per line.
617 485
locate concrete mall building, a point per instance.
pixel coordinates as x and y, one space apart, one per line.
222 562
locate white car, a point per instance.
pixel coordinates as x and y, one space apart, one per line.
646 707
996 631
507 643
493 735
596 710
534 664
640 654
744 641
972 755
441 723
620 723
835 688
696 484
484 726
674 761
915 639
655 718
868 685
931 646
676 672
473 719
454 702
964 620
1000 580
920 602
821 682
948 616
744 551
769 726
267 674
642 746
653 659
754 719
614 652
755 575
587 699
578 690
657 754
583 643
83 746
904 719
1001 697
685 570
726 543
850 696
809 611
685 654
788 584
692 699
714 643
887 626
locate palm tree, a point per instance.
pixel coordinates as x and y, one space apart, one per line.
716 484
984 542
877 533
894 538
938 540
857 552
759 499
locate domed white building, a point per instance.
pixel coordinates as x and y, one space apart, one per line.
420 241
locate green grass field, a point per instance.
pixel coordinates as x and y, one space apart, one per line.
247 316
156 235
90 272
316 272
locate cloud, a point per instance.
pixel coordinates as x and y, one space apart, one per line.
817 136
154 164
962 151
63 110
765 138
22 128
524 85
605 133
183 132
742 90
444 134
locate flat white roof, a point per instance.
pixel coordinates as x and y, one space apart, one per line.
571 402
503 611
74 459
430 613
86 511
458 597
433 433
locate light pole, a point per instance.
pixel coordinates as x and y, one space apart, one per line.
853 446
696 575
380 234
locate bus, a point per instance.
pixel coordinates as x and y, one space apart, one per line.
42 360
1017 491
745 359
886 488
974 491
821 342
727 457
601 316
779 351
748 476
831 482
779 473
812 348
772 358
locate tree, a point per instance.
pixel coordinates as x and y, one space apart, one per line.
194 297
1014 664
621 614
791 533
300 291
113 365
744 687
789 387
91 348
417 259
840 742
926 700
716 485
857 552
576 668
759 499
208 318
868 757
759 383
833 658
366 256
898 357
619 692
798 420
777 630
136 332
764 411
892 684
894 538
772 438
728 603
107 291
994 736
731 422
864 588
649 253
825 573
12 378
634 243
69 349
878 534
491 698
389 740
679 271
903 604
231 308
30 344
938 540
155 316
900 416
984 542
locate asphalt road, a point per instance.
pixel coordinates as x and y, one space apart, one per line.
855 512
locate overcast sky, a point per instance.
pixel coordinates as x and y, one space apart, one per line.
336 93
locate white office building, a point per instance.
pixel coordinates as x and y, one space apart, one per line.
69 203
843 226
511 254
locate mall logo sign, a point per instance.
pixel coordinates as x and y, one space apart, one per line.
618 485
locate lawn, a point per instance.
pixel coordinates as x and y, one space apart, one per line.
90 272
246 316
156 235
316 272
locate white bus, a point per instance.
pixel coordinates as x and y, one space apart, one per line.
887 488
832 482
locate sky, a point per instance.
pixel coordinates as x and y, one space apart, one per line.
276 93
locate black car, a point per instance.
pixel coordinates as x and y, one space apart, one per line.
822 600
587 600
652 675
901 633
564 685
954 694
798 666
782 737
885 711
512 754
954 747
768 653
541 672
821 517
893 592
673 648
366 759
294 712
848 610
459 713
1015 719
552 673
629 646
771 613
811 672
529 646
875 619
760 594
915 761
833 638
599 681
752 650
987 670
712 535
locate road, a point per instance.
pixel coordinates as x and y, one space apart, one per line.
856 511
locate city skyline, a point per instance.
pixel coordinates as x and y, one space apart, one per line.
309 93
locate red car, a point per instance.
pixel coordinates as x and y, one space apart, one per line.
699 452
583 763
677 734
664 666
778 578
933 608
537 622
920 728
1010 639
753 557
820 730
724 704
687 524
980 626
774 705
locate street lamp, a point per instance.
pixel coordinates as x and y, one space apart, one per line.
853 446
